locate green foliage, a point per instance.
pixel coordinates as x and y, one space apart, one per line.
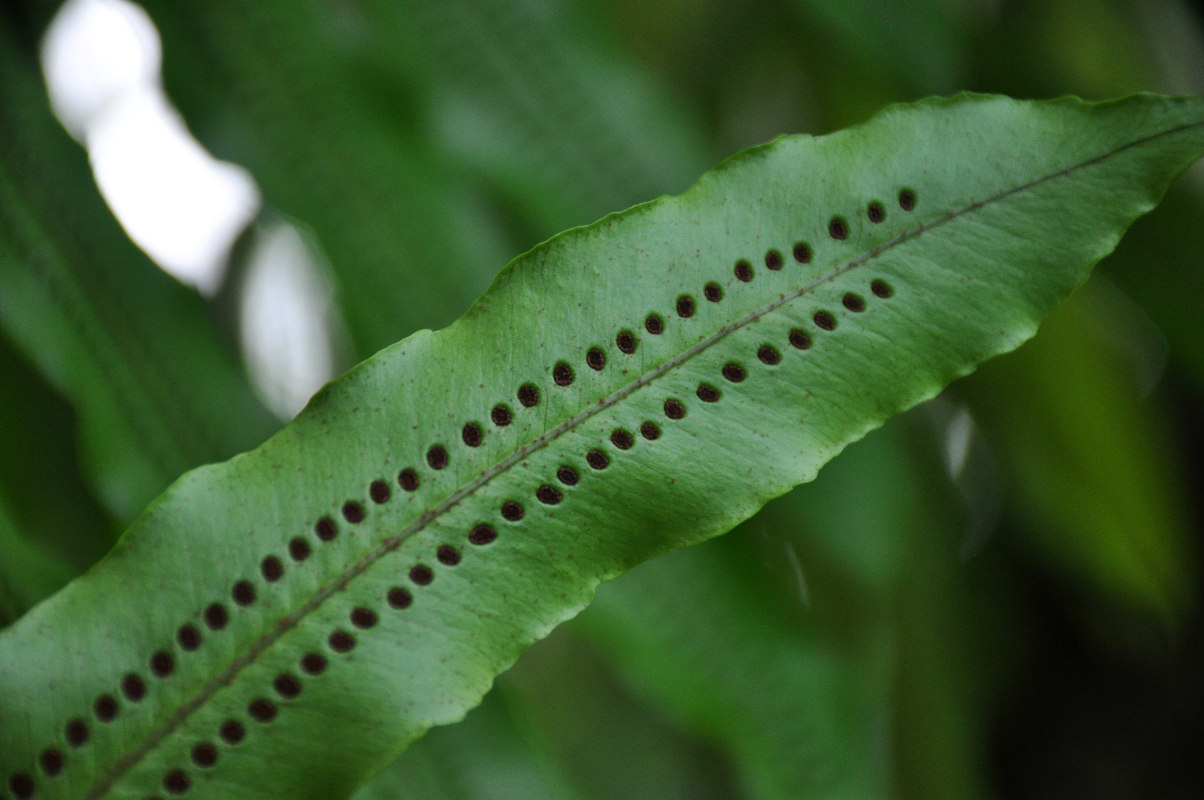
825 649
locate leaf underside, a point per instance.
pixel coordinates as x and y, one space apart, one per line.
284 623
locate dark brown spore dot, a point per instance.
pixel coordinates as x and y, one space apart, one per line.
472 434
548 495
422 574
188 637
482 534
734 372
824 321
562 374
528 395
674 409
448 555
597 459
232 731
875 212
298 549
162 664
501 415
397 597
685 306
271 568
802 253
340 642
773 260
907 199
133 687
567 475
838 228
364 618
243 593
176 782
881 288
379 492
313 663
769 355
713 292
204 755
595 358
707 393
353 512
622 439
262 710
799 339
853 302
744 271
325 529
654 324
407 479
216 617
650 431
287 686
51 761
512 511
77 733
437 457
625 341
22 785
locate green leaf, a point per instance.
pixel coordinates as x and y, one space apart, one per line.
572 708
922 46
1154 266
28 574
1100 479
484 757
50 528
282 624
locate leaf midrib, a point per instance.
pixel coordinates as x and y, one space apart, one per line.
394 542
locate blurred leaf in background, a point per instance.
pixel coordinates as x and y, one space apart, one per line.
994 595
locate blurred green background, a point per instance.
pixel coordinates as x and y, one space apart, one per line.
995 595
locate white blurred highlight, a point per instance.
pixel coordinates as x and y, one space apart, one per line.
959 432
95 51
183 207
286 319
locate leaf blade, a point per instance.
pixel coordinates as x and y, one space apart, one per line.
969 262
